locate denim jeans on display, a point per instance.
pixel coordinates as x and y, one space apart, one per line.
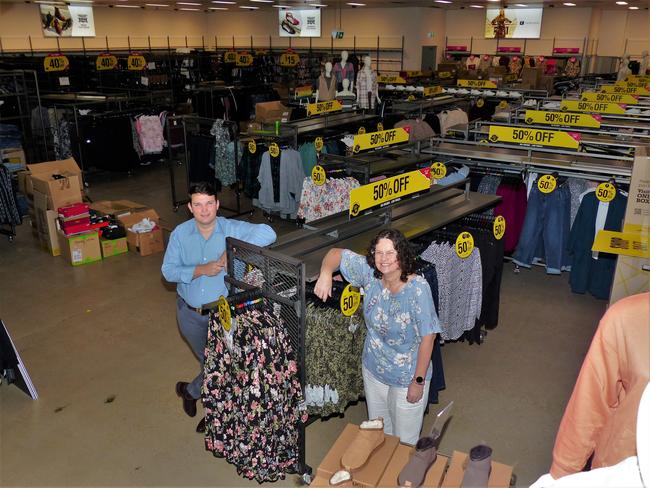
547 222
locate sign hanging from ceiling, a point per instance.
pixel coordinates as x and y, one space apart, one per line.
513 23
299 23
67 21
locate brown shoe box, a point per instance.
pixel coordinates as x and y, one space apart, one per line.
371 473
500 474
401 456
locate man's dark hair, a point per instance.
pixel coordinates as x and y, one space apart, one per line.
405 254
202 187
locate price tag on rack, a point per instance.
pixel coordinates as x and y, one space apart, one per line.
323 107
136 62
432 90
609 98
445 74
318 144
55 62
499 227
374 140
391 80
350 300
639 78
105 62
464 245
643 91
563 119
289 60
274 150
534 137
480 102
304 91
223 308
546 183
438 170
252 147
503 105
361 130
318 176
605 192
632 83
476 84
597 107
230 57
380 126
384 192
244 59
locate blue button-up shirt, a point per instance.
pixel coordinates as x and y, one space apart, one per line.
187 248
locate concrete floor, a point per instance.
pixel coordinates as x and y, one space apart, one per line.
103 349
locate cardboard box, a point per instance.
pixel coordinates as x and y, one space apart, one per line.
401 456
531 75
272 111
500 474
80 249
66 167
146 243
46 224
116 208
371 473
113 247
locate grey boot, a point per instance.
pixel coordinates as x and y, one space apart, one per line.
478 469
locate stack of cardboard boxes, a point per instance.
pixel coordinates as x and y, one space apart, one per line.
55 185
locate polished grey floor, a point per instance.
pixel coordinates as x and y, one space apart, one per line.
103 349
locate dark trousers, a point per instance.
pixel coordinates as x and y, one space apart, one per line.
194 329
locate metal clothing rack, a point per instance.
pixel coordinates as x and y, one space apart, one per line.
179 153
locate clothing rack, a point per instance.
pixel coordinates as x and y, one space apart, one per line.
178 128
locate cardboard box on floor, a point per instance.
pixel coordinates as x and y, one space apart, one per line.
113 247
60 192
500 474
143 243
80 249
400 457
116 208
272 111
46 224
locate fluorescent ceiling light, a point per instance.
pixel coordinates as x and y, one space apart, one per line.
81 1
355 4
318 5
569 4
187 3
442 1
281 6
520 5
249 7
493 0
262 1
156 5
224 2
127 6
621 3
191 9
633 8
476 6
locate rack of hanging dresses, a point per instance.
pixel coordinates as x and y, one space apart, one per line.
209 151
9 214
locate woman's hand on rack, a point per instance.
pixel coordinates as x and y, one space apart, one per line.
323 287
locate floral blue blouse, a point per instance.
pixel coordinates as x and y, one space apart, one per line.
396 322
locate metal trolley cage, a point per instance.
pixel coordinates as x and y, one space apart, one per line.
180 153
283 285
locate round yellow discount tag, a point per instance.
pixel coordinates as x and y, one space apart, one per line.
411 98
274 150
380 126
318 144
606 192
318 175
252 147
499 227
546 183
223 309
464 244
438 170
480 102
350 300
503 104
362 130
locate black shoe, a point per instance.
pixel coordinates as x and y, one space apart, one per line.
200 428
189 402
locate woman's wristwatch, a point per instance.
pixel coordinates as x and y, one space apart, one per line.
419 380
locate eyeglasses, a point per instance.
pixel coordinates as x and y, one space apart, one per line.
388 254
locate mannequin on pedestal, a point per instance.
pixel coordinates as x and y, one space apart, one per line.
346 96
326 85
344 70
623 69
367 88
645 63
472 62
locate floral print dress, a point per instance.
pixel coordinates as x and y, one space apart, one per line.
396 322
252 396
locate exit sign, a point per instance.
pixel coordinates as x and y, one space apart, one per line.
337 34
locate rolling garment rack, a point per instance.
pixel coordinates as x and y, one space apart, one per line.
180 130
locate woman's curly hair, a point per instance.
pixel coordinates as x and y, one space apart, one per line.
405 254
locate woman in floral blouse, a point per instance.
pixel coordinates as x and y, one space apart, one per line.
402 324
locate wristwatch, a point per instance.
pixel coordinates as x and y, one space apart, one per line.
419 380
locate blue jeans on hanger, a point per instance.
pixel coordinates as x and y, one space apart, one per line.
547 222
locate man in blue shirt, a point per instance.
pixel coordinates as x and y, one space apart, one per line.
195 259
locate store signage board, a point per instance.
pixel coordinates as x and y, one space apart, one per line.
432 90
596 107
323 107
374 140
392 80
418 74
55 62
630 90
563 119
645 78
61 20
105 62
609 98
623 243
534 137
631 83
136 62
244 59
230 57
289 60
299 22
477 84
389 190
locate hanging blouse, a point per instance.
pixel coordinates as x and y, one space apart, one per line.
224 154
333 197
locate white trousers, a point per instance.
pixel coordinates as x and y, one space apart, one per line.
401 418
